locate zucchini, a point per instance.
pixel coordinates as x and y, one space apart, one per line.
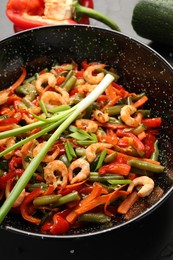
153 20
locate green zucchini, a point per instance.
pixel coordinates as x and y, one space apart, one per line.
153 20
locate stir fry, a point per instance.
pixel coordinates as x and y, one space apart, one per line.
76 168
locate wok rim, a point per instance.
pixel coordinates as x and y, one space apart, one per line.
149 210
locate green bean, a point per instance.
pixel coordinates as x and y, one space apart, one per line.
73 196
41 185
114 110
69 81
117 182
155 154
96 177
139 129
144 165
98 218
137 97
110 157
113 120
46 199
144 112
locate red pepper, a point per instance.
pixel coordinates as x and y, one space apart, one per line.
152 122
149 144
29 14
9 121
24 207
138 145
14 163
59 226
116 168
8 176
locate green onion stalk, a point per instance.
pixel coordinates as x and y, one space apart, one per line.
69 116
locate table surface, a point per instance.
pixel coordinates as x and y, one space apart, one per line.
151 238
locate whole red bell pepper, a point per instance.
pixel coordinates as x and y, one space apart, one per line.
27 14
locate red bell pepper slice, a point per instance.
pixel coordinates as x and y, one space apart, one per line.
115 168
149 144
152 122
138 145
11 120
24 207
59 226
8 176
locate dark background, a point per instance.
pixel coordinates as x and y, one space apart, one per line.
151 238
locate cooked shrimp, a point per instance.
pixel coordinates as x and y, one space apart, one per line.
27 148
85 88
48 157
20 198
63 93
6 143
82 174
4 94
48 78
87 125
146 183
52 99
100 116
94 79
125 115
92 149
56 173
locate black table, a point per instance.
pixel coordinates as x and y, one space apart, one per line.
151 238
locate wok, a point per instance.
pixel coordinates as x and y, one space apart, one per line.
141 69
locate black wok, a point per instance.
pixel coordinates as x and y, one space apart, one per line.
141 69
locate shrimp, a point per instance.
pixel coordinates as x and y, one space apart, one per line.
87 125
52 99
4 94
6 143
48 157
21 196
85 88
82 174
125 115
88 74
45 78
27 149
63 93
100 116
147 185
92 149
56 173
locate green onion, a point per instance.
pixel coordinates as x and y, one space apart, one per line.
101 159
69 151
73 113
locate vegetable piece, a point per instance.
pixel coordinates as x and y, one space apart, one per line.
117 168
98 218
46 199
128 202
24 206
36 14
59 226
152 19
23 180
144 165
